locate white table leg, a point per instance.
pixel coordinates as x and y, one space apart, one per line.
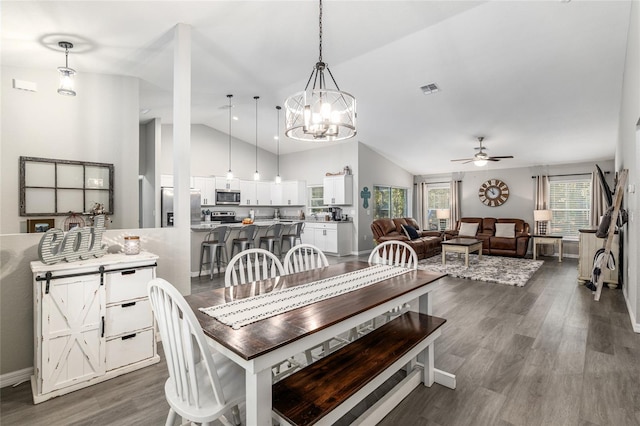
560 250
535 251
444 256
480 253
466 257
259 398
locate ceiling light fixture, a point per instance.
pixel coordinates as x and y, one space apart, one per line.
430 88
256 175
66 73
278 178
229 173
320 114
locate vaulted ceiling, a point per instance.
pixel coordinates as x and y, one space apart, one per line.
540 80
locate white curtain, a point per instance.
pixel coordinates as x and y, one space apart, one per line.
454 197
418 206
422 200
598 201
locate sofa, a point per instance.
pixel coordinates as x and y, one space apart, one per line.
426 243
510 241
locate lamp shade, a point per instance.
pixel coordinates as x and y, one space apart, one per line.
542 215
442 213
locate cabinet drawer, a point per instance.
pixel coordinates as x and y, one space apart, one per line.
128 349
126 285
127 317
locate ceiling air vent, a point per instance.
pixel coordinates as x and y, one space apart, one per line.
430 88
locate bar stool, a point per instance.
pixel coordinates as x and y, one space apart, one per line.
273 237
294 234
245 239
216 238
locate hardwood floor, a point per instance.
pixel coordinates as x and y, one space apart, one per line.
544 354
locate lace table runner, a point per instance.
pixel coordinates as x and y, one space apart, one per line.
241 312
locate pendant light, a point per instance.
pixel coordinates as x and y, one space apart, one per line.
229 173
278 178
256 175
320 114
66 74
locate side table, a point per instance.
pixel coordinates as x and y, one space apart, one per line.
547 239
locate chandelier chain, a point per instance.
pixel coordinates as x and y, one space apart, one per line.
320 19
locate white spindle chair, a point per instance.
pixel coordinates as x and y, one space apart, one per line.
255 265
201 386
304 257
395 253
252 265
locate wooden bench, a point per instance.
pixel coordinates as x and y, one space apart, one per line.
324 391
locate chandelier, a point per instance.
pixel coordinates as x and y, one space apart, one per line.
320 114
66 74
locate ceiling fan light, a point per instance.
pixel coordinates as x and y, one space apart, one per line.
480 163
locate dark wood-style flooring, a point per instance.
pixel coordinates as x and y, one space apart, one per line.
545 354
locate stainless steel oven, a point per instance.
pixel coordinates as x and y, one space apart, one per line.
227 197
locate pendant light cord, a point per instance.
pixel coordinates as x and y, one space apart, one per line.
320 22
229 96
256 98
278 136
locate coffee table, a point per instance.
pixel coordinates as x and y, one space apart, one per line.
460 246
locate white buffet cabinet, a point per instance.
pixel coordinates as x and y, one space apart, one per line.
92 322
330 237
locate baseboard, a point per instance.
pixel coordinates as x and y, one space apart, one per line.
15 377
634 323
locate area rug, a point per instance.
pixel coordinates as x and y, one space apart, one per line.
495 269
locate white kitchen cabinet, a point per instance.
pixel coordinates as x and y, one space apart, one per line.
588 245
207 187
92 322
338 190
294 193
330 237
166 181
263 194
277 193
247 193
224 183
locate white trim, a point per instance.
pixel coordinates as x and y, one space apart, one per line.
15 377
634 323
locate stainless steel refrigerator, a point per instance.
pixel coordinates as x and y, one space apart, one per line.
166 206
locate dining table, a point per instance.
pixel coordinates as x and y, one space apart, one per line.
259 345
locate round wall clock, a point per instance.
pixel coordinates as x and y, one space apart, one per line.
493 192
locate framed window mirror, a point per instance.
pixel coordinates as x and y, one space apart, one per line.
56 187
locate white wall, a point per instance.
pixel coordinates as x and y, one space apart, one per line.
377 170
210 155
628 157
100 124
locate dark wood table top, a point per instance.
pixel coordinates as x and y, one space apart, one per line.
256 339
461 241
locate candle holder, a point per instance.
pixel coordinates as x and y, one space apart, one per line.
131 244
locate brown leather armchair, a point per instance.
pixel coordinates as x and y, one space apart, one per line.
426 245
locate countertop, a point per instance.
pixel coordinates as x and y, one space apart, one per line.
207 226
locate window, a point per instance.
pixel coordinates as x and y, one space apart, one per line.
570 203
389 202
437 197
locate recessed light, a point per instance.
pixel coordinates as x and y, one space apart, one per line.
235 118
430 88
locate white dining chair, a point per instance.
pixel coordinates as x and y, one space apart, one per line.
394 253
304 257
252 265
202 386
255 265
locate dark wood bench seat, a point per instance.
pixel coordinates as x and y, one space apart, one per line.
345 377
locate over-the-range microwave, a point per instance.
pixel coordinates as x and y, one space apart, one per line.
227 196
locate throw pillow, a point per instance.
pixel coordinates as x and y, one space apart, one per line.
410 232
506 230
468 229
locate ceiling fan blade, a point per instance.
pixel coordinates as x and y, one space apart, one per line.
463 159
502 156
492 159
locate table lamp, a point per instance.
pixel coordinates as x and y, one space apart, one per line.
442 215
542 217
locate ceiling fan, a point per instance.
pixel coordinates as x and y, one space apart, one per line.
481 158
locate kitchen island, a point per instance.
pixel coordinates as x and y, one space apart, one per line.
332 237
